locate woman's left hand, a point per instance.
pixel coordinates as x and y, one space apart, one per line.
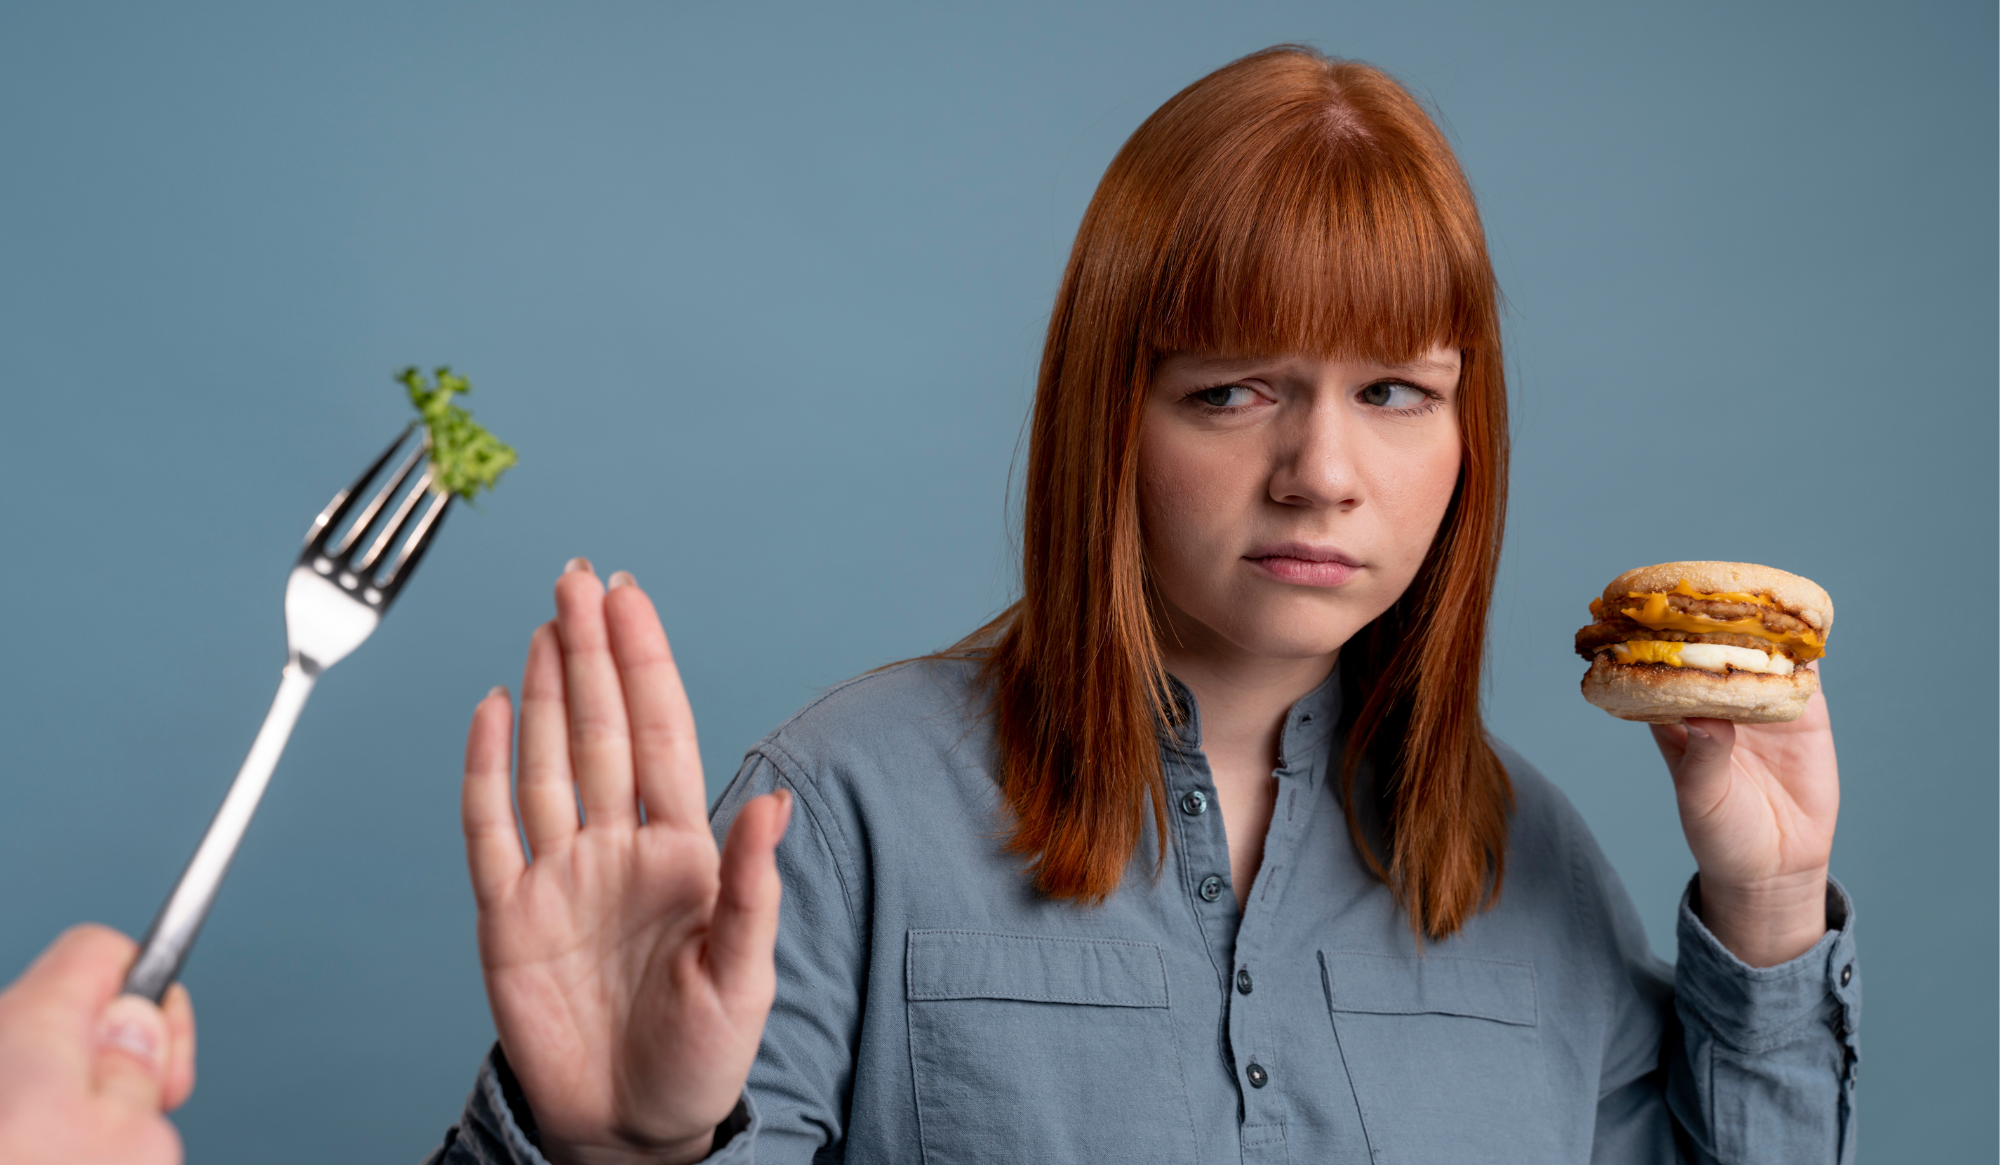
1758 802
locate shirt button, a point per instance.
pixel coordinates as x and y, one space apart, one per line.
1211 888
1847 974
1258 1077
1194 803
1243 983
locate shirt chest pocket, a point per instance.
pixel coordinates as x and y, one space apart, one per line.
1029 1048
1444 1055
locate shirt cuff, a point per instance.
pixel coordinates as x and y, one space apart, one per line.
507 1116
507 1113
1754 1009
736 1138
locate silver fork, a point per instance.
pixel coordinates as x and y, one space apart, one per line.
337 593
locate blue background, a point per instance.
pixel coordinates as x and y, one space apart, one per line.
758 292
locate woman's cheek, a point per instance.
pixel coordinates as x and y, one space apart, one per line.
1416 498
1178 533
1189 519
1176 487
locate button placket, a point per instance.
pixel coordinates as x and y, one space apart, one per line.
1198 857
1249 1025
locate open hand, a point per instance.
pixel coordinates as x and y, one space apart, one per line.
1758 803
629 964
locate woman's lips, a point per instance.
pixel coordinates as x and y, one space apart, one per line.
1302 564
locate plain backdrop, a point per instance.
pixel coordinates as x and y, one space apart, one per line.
758 291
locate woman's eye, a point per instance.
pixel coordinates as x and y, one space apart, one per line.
1227 396
1394 394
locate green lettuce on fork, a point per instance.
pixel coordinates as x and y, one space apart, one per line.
465 458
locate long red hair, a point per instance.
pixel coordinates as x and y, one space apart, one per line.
1284 203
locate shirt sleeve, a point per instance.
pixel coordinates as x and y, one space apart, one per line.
496 1127
795 1105
1731 1063
1764 1066
796 1102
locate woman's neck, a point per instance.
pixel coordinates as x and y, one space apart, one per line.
1243 702
1243 707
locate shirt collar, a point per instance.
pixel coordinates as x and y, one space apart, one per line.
1307 725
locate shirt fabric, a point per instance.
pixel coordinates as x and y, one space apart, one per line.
932 1007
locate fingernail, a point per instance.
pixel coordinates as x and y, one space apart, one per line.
576 564
132 1024
784 807
1697 733
499 690
621 578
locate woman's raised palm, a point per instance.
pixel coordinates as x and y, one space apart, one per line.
629 964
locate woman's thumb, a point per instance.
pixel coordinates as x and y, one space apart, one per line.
1703 771
745 926
131 1065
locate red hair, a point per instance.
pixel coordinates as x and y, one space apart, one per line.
1284 203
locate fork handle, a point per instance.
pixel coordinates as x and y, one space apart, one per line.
179 921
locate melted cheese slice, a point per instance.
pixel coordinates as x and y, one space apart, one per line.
1682 588
1654 612
1706 656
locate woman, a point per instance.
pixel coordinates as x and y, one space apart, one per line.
1199 852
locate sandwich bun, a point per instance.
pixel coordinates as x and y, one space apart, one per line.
1729 640
1660 695
1792 593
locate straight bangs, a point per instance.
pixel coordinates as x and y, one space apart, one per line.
1336 225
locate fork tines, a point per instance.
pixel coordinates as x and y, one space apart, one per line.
354 554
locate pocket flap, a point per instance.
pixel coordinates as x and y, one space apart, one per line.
971 964
1432 984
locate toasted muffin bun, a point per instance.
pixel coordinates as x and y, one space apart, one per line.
1660 694
1799 597
1663 693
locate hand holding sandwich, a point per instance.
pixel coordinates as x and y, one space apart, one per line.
1722 659
1758 803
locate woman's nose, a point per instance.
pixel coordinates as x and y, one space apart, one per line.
1314 463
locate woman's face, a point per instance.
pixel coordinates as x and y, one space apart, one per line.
1288 501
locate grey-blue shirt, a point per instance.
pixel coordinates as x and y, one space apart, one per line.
932 1007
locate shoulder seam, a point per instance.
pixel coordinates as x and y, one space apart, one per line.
794 774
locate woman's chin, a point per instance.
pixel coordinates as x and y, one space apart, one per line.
1290 636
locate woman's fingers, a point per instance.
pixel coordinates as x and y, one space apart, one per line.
486 803
744 930
666 758
600 737
179 1011
546 792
